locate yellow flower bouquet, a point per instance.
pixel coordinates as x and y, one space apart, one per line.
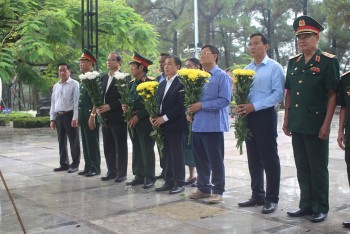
193 81
148 91
243 80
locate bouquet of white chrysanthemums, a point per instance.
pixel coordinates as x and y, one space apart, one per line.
123 87
91 81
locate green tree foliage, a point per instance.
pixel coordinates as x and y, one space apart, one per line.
35 35
228 24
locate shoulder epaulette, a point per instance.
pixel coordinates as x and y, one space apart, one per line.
328 55
295 56
346 73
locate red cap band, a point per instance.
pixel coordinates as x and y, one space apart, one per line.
308 28
143 62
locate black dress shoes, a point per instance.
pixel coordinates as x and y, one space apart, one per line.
164 187
120 179
72 169
108 177
161 176
148 184
269 207
83 172
318 217
61 168
346 224
91 174
299 213
177 189
135 181
191 181
252 202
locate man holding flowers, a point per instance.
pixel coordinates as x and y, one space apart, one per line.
266 91
143 158
172 121
115 130
210 121
89 127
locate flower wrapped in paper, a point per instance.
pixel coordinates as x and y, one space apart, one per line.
193 81
92 83
123 86
148 91
243 80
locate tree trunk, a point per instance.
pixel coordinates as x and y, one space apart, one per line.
175 42
207 30
224 44
305 7
277 53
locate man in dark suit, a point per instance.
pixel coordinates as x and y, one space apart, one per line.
173 124
160 78
115 131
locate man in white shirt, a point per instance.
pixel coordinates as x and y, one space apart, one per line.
64 118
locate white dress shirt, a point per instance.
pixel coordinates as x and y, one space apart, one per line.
65 97
167 86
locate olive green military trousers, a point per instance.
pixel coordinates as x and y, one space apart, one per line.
311 160
143 157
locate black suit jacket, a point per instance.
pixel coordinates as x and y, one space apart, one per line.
112 97
173 106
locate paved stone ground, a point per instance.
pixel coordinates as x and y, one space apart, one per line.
67 203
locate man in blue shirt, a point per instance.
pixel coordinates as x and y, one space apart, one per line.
267 91
209 124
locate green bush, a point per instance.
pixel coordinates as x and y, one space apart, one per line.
4 119
32 122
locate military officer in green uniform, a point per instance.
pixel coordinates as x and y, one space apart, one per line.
311 84
88 125
143 158
344 122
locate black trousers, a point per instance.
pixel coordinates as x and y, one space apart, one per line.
64 130
175 167
347 160
115 148
263 154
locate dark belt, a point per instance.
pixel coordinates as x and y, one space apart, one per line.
63 112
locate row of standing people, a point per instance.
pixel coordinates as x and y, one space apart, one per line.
311 84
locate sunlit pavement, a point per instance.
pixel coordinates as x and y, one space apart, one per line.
58 202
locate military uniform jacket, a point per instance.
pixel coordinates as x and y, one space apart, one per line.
85 105
139 106
344 101
309 85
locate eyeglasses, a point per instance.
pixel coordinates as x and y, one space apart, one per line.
204 53
304 36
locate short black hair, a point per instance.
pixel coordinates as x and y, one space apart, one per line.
144 68
265 40
119 57
195 61
65 64
213 50
164 54
177 60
